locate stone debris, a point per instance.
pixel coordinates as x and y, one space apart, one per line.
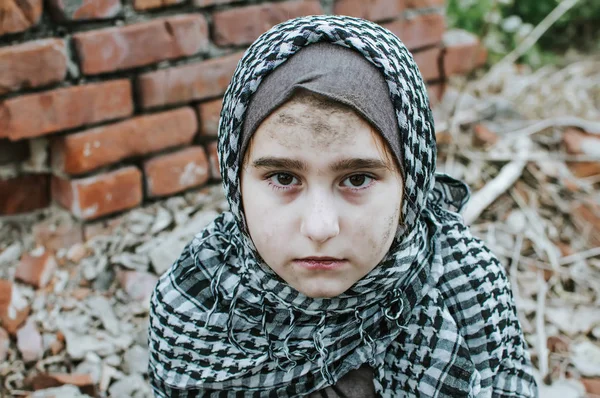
103 310
4 344
10 254
131 386
586 358
14 307
74 311
76 252
136 360
66 391
84 381
133 261
167 249
36 268
29 341
58 231
138 285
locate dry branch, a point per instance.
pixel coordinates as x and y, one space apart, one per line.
499 185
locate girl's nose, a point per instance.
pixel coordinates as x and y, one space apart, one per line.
320 221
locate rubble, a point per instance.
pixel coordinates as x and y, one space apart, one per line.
536 203
36 268
29 342
63 391
138 285
84 381
74 299
4 344
136 360
14 307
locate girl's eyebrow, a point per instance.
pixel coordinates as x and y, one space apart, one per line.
340 165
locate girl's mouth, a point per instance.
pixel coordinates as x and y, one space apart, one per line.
320 263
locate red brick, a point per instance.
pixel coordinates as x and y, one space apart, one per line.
137 285
375 10
420 31
48 380
462 53
424 3
176 172
104 227
112 49
38 114
580 142
186 83
77 10
592 385
459 60
586 216
85 151
210 113
14 308
36 268
58 345
99 195
207 3
428 62
243 25
573 140
148 4
443 137
24 193
584 169
32 64
483 136
76 253
213 160
19 15
4 344
55 234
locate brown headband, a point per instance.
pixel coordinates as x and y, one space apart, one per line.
334 72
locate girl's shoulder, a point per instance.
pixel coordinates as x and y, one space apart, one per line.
478 295
468 262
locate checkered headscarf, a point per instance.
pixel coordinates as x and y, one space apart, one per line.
434 319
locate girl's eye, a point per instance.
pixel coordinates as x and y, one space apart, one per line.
285 181
358 181
282 180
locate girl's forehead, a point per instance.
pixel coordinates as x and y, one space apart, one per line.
321 133
302 124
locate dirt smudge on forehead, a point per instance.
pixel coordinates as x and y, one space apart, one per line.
315 121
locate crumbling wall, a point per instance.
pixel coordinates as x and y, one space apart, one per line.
105 104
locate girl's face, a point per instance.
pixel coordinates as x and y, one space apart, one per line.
321 196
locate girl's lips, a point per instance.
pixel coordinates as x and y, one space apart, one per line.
326 264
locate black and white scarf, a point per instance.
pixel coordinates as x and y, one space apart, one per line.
435 318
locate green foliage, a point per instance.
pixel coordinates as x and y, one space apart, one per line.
503 24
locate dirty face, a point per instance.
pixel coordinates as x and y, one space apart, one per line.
321 195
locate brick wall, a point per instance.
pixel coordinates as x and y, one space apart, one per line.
107 103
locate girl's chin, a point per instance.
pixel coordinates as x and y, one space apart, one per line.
315 290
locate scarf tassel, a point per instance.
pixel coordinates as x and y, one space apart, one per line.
365 337
323 352
230 330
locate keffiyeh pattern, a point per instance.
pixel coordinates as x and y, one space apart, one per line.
434 319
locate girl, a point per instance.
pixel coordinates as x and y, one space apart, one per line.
343 268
